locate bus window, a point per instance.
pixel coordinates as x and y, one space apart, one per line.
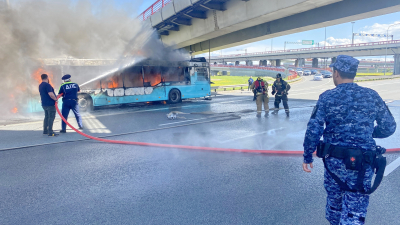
202 73
114 81
133 77
173 74
152 76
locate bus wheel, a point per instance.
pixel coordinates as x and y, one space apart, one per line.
174 96
85 103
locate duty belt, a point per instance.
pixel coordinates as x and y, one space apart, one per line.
354 159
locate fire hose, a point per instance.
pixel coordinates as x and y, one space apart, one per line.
187 147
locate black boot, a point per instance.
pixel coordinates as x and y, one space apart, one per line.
287 114
258 115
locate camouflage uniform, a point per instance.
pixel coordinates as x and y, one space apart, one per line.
281 89
349 112
262 97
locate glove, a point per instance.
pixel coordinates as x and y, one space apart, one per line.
273 92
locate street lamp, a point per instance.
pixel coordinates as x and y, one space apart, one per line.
352 33
245 50
387 40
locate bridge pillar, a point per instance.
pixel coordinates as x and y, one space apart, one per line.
273 62
315 62
396 64
263 63
278 62
237 63
302 62
296 63
333 59
249 63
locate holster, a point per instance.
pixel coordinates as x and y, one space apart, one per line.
355 159
322 149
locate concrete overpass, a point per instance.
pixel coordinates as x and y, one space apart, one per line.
275 57
203 25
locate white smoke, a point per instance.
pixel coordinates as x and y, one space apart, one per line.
37 29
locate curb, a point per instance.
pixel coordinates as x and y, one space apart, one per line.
388 78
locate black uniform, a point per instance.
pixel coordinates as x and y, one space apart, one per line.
281 89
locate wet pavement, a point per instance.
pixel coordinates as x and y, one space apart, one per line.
79 181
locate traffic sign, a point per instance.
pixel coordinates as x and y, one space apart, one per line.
307 42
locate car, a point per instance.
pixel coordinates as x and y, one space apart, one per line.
307 72
326 74
318 76
314 72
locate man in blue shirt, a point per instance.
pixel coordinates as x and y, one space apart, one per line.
250 80
349 113
70 101
48 99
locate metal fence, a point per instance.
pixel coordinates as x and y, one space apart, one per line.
153 9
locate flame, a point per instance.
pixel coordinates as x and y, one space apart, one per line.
14 110
154 79
36 75
113 83
116 81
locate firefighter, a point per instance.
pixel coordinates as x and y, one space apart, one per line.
260 90
70 101
280 88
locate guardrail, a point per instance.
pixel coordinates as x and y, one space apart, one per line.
229 86
251 67
240 86
310 49
153 9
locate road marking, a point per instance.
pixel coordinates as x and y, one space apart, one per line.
164 124
272 131
392 166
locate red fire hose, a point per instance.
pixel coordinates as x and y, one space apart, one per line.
186 146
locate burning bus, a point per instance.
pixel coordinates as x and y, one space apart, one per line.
147 81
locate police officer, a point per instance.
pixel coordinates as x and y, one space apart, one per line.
281 88
260 89
70 101
348 148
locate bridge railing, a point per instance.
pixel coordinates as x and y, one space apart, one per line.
153 9
381 43
292 74
251 67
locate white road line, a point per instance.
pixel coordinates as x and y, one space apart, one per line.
164 124
392 166
268 131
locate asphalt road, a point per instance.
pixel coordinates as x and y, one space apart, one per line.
71 180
